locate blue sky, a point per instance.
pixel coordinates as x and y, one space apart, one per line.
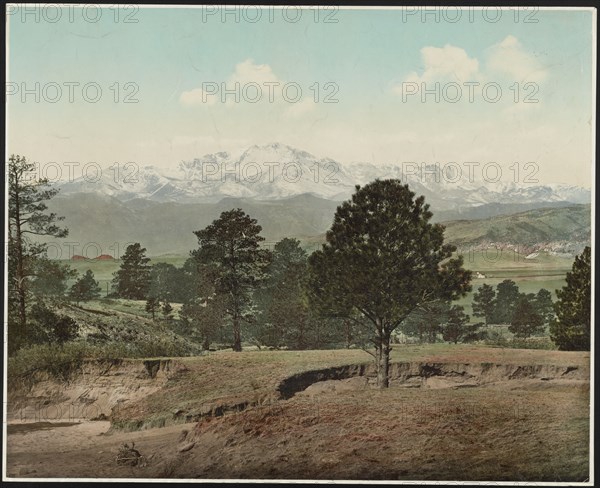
370 57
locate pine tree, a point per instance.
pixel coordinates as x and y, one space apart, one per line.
287 310
484 303
571 329
203 315
425 322
507 296
85 288
526 321
457 328
132 280
167 282
544 305
167 309
152 306
26 216
383 258
229 248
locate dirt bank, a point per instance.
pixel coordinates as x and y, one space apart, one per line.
94 391
434 375
119 390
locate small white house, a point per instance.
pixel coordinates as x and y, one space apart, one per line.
479 275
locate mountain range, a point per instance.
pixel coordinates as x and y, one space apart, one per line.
276 171
294 194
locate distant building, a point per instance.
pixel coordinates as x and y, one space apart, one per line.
479 275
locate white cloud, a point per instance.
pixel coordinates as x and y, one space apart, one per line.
448 63
248 79
451 63
510 59
249 72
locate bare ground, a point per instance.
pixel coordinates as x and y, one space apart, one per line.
523 430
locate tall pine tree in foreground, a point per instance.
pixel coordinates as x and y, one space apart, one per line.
383 259
132 280
571 329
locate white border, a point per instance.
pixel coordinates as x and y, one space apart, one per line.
374 482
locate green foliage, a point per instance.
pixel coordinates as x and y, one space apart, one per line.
62 361
425 322
507 296
544 305
132 280
167 282
152 306
229 248
59 362
167 310
285 321
85 288
526 320
484 303
382 259
571 329
51 327
26 217
203 315
50 278
456 328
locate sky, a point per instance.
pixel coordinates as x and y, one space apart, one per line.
160 85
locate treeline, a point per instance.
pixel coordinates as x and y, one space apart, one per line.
260 292
526 314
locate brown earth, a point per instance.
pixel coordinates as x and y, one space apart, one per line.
524 430
442 419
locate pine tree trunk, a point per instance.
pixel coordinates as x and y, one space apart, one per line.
237 335
20 268
383 360
348 327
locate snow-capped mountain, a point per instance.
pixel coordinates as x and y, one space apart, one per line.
276 171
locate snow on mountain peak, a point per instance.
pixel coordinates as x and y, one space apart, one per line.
275 170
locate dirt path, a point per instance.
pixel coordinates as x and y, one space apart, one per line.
83 450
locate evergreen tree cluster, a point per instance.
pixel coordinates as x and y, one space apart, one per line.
527 314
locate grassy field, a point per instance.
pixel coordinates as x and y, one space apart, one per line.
233 378
530 275
544 271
